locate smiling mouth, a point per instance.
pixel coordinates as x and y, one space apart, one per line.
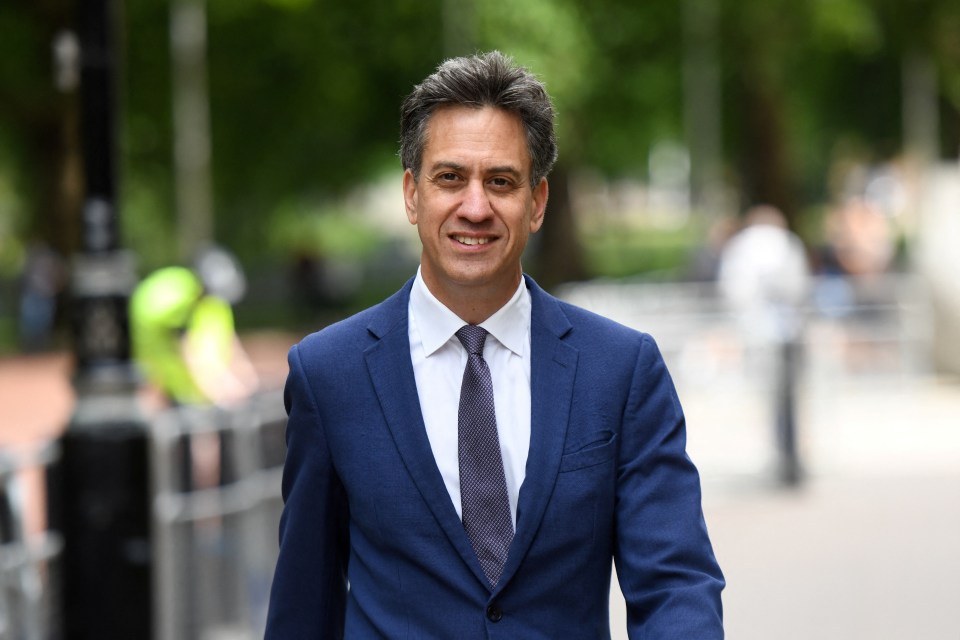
471 241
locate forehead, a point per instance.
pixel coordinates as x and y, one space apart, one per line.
469 135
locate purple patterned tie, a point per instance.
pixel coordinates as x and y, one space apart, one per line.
483 488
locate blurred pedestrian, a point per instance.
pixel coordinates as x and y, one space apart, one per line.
860 239
186 345
765 277
41 283
184 337
858 246
466 459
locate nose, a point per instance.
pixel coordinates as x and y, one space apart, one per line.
476 203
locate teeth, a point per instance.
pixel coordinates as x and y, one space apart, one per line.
471 241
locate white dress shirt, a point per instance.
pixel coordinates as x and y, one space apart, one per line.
438 363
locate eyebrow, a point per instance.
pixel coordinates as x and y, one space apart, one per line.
448 164
444 164
505 169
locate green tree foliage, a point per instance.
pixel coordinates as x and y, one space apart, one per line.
631 94
36 144
304 96
304 99
810 84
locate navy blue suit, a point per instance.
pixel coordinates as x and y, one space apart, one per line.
607 477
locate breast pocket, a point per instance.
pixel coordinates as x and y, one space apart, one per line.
591 450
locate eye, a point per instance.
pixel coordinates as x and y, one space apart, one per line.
448 176
501 183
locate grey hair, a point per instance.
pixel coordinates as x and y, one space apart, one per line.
489 79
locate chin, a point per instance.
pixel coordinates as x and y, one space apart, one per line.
485 278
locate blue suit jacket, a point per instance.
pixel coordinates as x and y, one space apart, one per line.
370 543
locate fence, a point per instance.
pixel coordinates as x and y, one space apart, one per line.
758 407
216 505
880 325
216 508
28 558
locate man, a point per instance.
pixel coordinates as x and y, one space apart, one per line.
186 346
184 339
403 518
764 277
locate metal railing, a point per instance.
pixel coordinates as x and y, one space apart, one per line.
28 557
764 388
216 506
880 324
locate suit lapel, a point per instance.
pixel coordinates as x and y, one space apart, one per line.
553 367
391 371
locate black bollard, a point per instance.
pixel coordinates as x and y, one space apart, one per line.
99 507
98 490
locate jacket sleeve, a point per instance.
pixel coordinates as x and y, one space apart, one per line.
668 574
308 596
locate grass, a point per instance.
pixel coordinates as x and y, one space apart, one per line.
619 252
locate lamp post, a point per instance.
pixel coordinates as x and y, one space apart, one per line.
99 489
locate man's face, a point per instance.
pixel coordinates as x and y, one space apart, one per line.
473 205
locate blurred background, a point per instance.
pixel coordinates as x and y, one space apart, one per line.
817 359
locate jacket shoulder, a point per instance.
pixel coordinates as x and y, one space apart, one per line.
580 317
572 322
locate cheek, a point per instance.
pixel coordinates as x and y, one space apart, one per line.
428 223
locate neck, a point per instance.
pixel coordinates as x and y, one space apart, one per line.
473 304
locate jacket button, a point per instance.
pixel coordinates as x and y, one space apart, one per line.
494 614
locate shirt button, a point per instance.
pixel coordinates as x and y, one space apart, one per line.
494 614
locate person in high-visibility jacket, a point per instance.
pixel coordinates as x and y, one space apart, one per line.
184 337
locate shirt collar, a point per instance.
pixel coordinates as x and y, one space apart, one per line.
510 325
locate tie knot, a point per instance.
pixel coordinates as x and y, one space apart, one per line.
472 338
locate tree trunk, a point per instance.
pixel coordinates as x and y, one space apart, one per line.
45 135
557 255
764 155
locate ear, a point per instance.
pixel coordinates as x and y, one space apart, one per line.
540 194
410 195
